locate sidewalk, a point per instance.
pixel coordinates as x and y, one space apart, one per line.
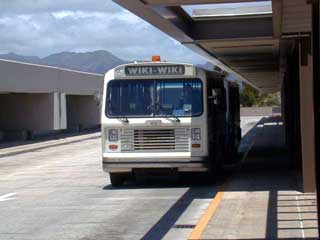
14 148
262 200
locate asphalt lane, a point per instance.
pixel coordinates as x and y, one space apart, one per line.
61 193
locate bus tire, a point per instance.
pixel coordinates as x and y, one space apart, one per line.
116 179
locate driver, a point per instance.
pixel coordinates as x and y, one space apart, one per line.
187 94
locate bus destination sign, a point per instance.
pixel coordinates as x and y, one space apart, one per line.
165 70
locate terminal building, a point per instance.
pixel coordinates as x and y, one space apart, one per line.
37 100
273 46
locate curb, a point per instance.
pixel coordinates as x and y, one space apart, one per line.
32 149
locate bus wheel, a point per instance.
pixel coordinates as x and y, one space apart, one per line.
116 179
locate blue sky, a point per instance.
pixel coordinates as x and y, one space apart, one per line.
43 27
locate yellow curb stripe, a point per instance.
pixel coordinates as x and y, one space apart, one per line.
204 220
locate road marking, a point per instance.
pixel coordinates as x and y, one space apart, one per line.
7 197
204 220
139 198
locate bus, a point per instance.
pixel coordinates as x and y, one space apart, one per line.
163 116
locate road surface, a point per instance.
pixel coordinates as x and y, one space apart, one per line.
61 193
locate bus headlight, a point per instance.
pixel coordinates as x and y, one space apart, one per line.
113 135
196 134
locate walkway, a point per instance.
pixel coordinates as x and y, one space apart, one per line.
262 200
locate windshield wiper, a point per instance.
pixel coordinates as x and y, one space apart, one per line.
123 119
169 115
174 116
177 119
157 105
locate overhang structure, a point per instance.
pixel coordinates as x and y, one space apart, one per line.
250 42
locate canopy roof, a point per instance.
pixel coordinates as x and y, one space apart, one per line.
250 40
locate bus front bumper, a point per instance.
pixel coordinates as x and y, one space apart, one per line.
180 163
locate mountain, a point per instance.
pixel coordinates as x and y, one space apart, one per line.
15 57
93 62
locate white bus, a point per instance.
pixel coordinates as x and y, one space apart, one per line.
167 116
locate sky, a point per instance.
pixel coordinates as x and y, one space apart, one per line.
43 27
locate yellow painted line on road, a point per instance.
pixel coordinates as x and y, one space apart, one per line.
204 220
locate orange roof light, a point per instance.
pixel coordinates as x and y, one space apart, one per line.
156 59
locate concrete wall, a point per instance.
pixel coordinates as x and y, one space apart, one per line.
82 112
35 112
22 77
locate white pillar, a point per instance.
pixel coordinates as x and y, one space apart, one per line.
59 111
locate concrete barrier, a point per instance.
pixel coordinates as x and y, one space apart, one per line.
260 111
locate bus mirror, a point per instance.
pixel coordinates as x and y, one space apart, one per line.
216 94
211 98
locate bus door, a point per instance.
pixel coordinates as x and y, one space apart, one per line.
234 130
216 122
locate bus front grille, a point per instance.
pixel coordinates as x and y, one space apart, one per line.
160 140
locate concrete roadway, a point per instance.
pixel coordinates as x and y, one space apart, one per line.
60 193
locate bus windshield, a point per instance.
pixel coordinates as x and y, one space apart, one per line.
154 98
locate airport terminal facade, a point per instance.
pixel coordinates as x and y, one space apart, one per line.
272 47
37 100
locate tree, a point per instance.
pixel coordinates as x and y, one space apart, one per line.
250 97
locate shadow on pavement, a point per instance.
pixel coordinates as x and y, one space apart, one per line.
267 168
168 220
197 190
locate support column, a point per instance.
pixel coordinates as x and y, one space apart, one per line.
307 117
291 109
59 111
316 85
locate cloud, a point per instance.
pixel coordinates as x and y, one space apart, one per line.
41 6
43 27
